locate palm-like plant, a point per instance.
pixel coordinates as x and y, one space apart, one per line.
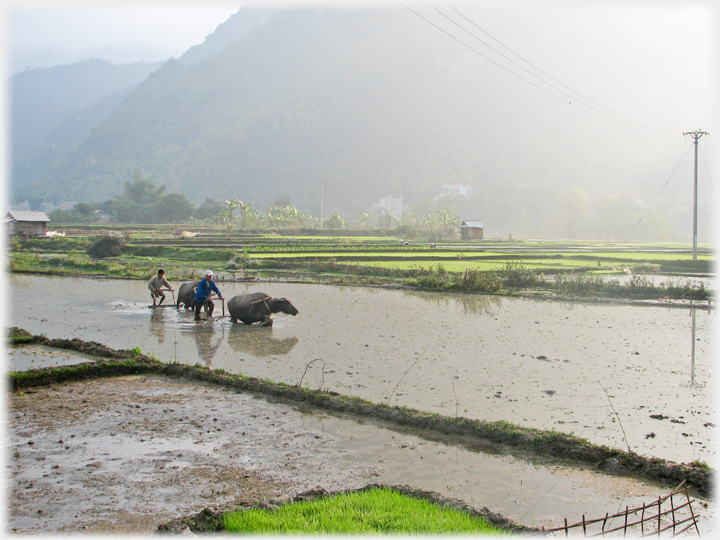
335 221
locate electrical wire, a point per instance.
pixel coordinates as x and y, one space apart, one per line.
583 108
577 94
659 192
702 157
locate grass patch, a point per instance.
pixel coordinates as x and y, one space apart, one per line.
372 511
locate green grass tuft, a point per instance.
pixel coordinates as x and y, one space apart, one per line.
373 511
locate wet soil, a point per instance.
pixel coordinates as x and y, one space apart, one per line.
616 375
129 454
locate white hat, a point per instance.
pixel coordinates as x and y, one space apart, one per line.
209 273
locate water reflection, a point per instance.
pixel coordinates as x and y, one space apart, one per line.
207 346
259 341
471 303
692 349
157 324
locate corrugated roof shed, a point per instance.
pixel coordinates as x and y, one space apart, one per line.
26 215
473 223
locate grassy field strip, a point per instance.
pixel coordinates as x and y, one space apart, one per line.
333 254
460 265
590 256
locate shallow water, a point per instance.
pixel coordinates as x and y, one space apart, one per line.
599 371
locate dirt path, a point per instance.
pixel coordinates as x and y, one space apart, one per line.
127 454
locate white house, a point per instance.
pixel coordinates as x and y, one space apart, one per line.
389 205
456 189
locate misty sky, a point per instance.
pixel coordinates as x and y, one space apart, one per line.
653 63
63 32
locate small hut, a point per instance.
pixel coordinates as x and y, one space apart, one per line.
26 222
472 229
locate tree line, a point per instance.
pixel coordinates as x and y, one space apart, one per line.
570 214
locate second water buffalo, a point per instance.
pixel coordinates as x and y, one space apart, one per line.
257 307
186 294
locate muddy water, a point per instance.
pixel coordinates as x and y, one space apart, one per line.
601 372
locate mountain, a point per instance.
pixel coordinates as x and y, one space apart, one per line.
226 33
373 102
364 102
54 108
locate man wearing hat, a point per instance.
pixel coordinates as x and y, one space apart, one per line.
204 288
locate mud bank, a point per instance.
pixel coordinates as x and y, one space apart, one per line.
549 446
129 454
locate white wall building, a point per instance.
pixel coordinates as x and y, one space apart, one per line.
456 189
389 205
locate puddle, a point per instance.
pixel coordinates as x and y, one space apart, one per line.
613 374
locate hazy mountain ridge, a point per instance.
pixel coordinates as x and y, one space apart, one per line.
43 98
370 103
226 33
314 94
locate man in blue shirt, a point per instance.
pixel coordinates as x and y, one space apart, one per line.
202 295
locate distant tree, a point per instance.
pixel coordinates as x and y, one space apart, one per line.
173 208
106 246
282 201
80 213
285 216
433 223
335 221
82 209
614 217
449 220
209 209
141 190
142 202
388 218
409 225
365 221
571 216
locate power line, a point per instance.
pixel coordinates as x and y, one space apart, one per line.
656 196
603 116
578 94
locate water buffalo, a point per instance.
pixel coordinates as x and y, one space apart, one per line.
257 307
186 294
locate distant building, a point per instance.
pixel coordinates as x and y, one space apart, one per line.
26 223
456 189
66 206
102 217
389 205
472 229
21 207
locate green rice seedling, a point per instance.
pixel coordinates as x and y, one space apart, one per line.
373 511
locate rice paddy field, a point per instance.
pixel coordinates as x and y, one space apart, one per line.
300 255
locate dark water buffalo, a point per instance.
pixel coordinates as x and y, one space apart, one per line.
186 294
257 307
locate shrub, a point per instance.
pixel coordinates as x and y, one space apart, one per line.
479 281
516 276
106 246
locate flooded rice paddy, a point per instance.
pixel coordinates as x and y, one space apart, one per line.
619 375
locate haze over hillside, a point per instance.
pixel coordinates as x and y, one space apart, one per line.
367 103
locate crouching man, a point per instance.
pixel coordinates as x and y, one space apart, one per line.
155 285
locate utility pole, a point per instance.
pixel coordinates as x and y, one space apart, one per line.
696 136
322 201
